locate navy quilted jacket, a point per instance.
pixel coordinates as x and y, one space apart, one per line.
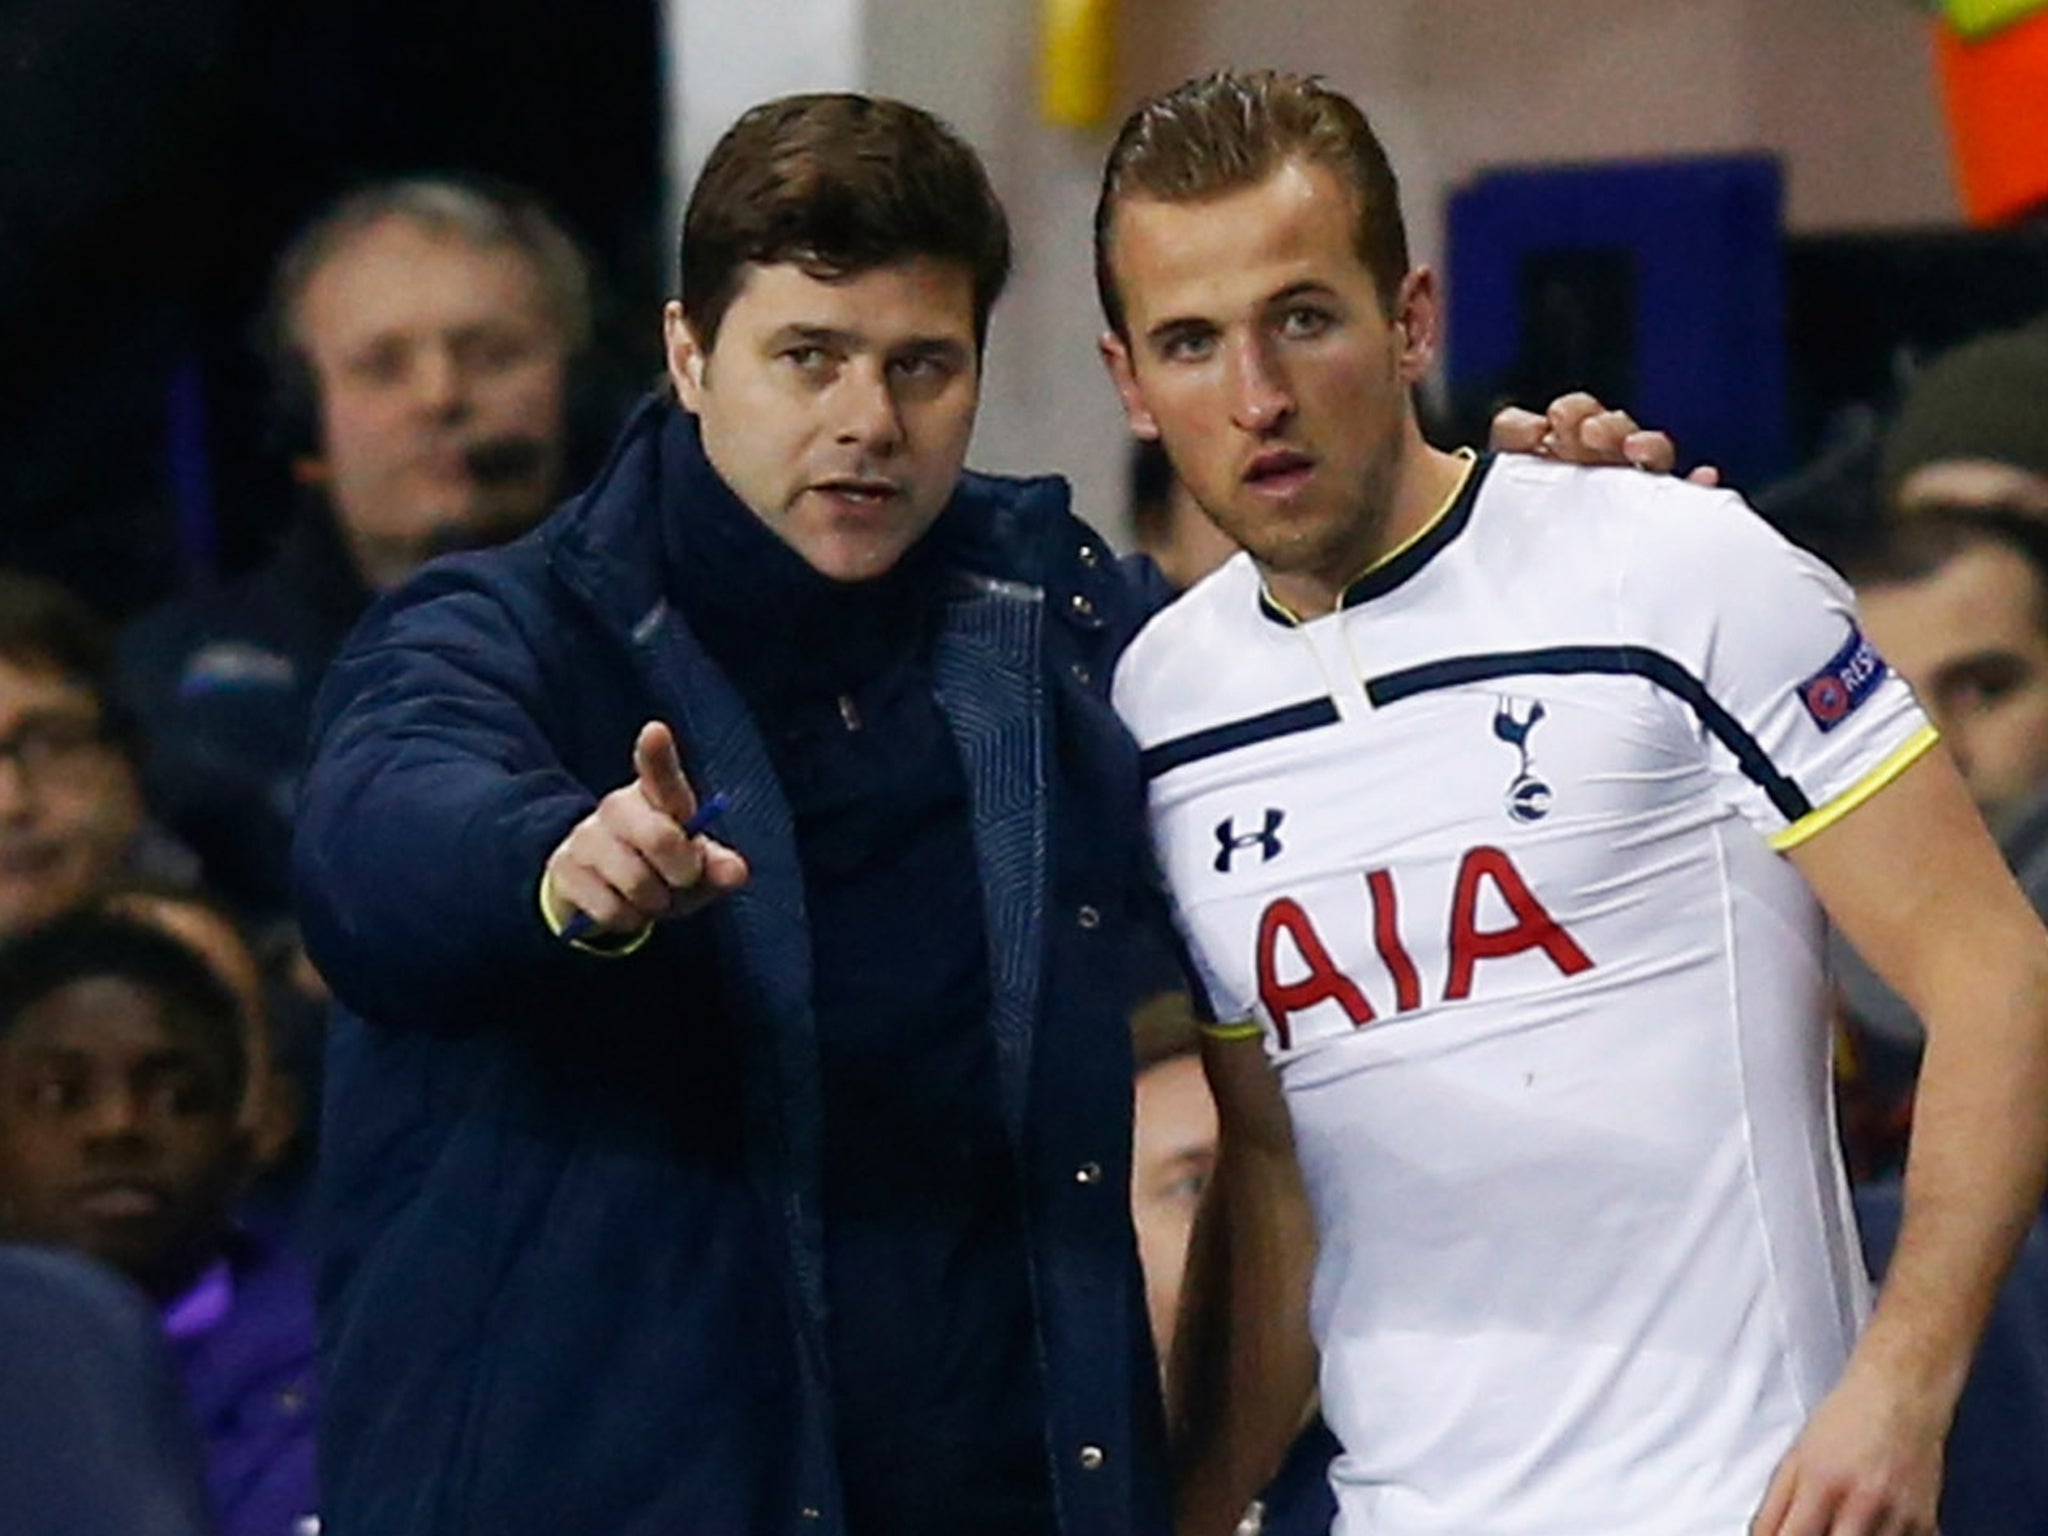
571 1204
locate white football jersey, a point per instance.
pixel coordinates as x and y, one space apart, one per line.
1491 856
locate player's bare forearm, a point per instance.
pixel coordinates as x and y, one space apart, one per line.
1243 1367
1918 886
1915 882
1975 1169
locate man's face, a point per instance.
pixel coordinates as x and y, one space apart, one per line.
118 1135
1261 356
69 804
1173 1152
1970 639
440 372
838 409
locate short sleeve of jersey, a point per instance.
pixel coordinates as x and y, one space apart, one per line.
1800 718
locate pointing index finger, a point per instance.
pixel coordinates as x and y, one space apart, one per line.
658 770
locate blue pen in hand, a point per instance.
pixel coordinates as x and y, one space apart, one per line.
707 814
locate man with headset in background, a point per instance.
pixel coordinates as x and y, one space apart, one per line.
424 336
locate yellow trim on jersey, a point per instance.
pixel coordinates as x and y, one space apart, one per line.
1471 457
1243 1029
1820 819
611 947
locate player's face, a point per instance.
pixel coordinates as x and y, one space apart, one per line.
1260 354
838 408
441 375
118 1137
1173 1153
1970 639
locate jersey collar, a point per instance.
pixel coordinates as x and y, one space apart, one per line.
1405 560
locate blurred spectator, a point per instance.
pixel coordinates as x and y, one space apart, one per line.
423 337
71 817
121 1078
1167 525
1173 1151
1973 429
93 1438
283 1075
1956 600
1958 604
174 149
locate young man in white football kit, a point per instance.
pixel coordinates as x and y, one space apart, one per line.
1500 803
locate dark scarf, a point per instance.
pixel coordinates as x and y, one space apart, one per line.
941 1424
782 631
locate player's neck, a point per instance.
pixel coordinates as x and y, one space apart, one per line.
1423 492
1425 483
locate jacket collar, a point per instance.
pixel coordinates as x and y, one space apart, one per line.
608 543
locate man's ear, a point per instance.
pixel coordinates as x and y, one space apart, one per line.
1418 315
1116 356
686 358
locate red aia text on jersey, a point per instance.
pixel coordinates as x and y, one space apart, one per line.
1318 980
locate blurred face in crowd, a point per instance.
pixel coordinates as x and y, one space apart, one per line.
118 1132
1260 355
69 802
1173 1151
1972 639
270 1107
440 372
838 408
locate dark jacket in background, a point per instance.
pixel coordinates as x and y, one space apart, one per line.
575 1267
222 684
93 1438
1995 1479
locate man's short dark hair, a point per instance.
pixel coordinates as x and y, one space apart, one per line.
45 627
87 945
839 184
1914 548
1231 130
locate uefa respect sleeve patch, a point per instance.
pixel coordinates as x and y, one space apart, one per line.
1851 676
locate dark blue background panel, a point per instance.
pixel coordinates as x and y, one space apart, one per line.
1659 284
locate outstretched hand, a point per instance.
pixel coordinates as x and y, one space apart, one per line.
633 861
1578 429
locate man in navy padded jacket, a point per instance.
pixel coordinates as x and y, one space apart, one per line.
776 1182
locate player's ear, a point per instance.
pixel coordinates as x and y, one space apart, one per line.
684 356
1418 322
1116 356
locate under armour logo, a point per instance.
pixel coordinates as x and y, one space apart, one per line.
1528 797
1266 839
